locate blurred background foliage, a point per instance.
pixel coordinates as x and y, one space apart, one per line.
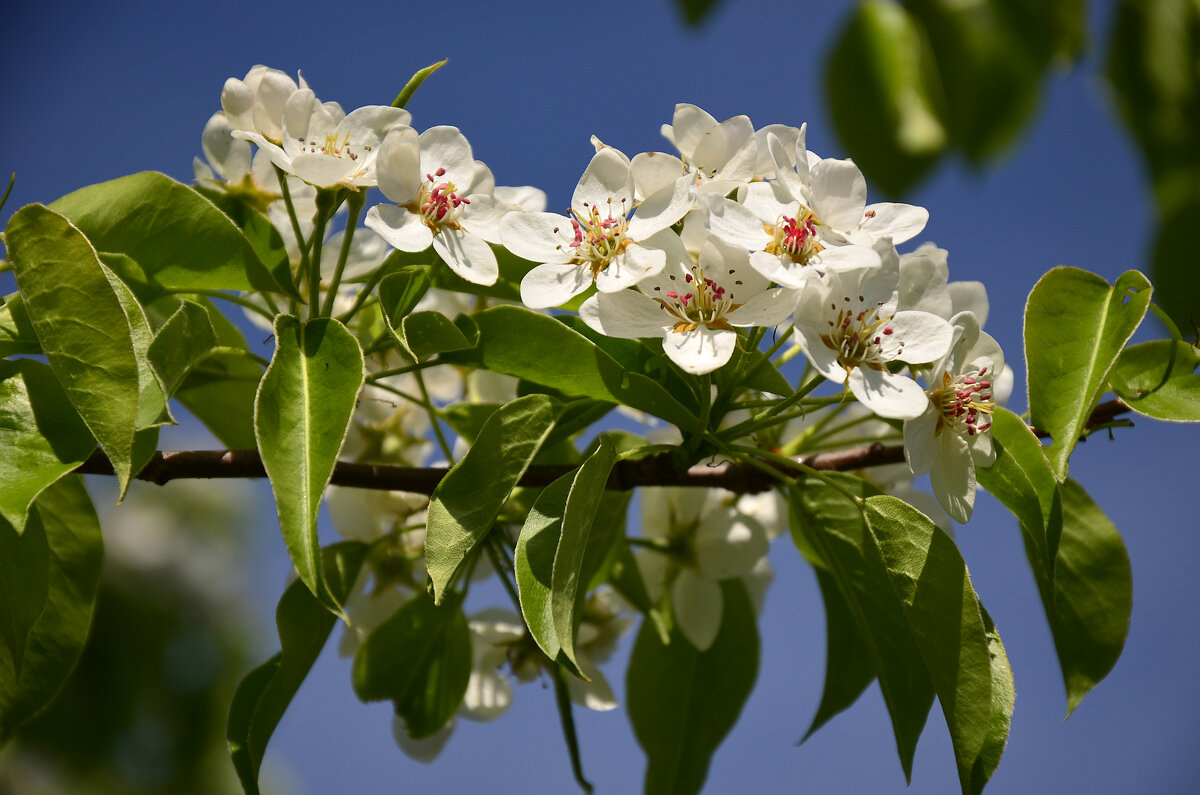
910 86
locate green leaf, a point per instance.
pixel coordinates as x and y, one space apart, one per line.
519 342
1076 325
264 694
178 236
882 87
64 514
422 334
533 562
682 702
836 529
1158 379
415 82
80 325
942 611
220 392
152 400
1003 696
262 235
301 415
420 658
185 340
16 331
42 438
400 292
1093 594
465 504
24 568
1176 271
696 12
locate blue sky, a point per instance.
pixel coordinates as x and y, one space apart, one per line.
97 92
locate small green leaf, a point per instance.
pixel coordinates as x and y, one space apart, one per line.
1076 325
152 400
422 334
465 504
930 579
400 292
185 340
42 438
420 658
1093 594
1003 696
533 562
1158 379
81 326
301 414
178 236
264 694
16 331
415 82
64 514
519 342
682 702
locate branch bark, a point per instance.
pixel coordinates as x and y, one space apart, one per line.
656 470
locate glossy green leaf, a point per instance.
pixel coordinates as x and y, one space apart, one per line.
533 562
1093 594
465 504
1159 379
1003 696
942 611
178 236
882 87
836 529
1076 326
422 334
519 342
143 285
64 514
80 325
682 702
301 414
264 694
16 331
152 399
401 291
24 569
42 437
185 340
420 658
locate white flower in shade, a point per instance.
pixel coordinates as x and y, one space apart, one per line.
953 436
523 198
717 157
606 239
694 309
706 541
443 197
256 102
849 328
925 285
789 137
324 146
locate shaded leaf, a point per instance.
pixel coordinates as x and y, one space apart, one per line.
152 400
185 340
1176 265
533 562
1159 379
24 569
16 332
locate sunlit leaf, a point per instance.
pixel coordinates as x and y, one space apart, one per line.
1159 379
185 340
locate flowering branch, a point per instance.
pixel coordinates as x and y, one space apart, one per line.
655 470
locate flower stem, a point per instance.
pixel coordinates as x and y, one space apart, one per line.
354 205
433 418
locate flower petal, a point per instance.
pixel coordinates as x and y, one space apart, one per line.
400 228
626 313
887 394
953 477
900 222
698 605
839 193
467 255
537 237
398 165
606 184
553 284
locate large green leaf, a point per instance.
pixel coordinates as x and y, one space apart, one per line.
65 516
41 436
682 702
185 340
152 398
1093 594
175 234
942 611
465 504
420 658
262 235
519 342
16 332
1004 695
1076 325
836 529
81 326
533 562
1159 379
301 415
265 693
24 569
882 86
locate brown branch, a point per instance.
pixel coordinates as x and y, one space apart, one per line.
655 470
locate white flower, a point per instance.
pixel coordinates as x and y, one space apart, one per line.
693 309
256 102
707 541
717 157
607 239
953 436
443 197
924 284
849 328
324 146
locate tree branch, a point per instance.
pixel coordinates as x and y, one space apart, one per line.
656 470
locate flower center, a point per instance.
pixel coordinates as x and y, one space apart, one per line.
598 239
795 238
700 301
965 403
860 335
438 203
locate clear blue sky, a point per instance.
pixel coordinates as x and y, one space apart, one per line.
95 91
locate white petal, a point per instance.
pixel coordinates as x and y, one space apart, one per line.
652 567
323 170
926 337
920 441
783 270
900 222
446 147
483 216
400 228
834 258
606 184
653 171
661 209
765 309
953 477
969 297
488 696
887 394
426 749
839 193
728 544
595 694
698 606
553 284
784 170
737 225
467 255
398 166
627 314
700 350
537 237
687 126
630 267
524 197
